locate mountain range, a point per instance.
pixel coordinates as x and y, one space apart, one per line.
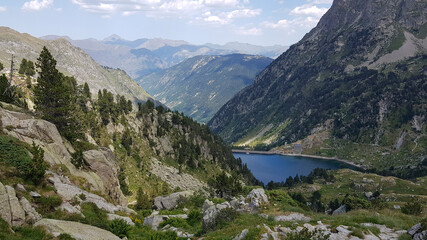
359 75
72 61
145 56
200 85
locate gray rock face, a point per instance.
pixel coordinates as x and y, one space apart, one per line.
103 163
16 211
76 230
20 187
242 235
4 205
292 217
257 198
209 216
35 194
207 204
420 236
32 215
414 229
68 191
341 210
67 207
154 221
126 219
175 179
171 201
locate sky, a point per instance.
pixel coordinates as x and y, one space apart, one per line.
259 22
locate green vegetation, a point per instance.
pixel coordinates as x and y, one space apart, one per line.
397 41
17 154
23 233
9 93
120 228
27 68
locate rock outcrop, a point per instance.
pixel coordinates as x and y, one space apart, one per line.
154 220
4 205
26 128
76 230
102 162
210 215
257 198
174 178
171 201
16 212
68 191
32 215
126 219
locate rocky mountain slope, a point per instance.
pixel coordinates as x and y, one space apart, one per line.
142 57
359 75
71 61
199 86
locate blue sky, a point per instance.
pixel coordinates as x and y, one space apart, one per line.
261 22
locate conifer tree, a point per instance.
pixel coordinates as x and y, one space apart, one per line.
54 95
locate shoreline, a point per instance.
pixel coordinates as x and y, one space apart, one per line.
298 155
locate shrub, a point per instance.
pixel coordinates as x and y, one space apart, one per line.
194 217
175 222
120 228
77 159
413 207
222 218
142 201
48 204
353 203
94 216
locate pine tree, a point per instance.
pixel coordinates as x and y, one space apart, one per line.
55 95
142 201
86 91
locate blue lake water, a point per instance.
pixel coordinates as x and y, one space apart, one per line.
277 168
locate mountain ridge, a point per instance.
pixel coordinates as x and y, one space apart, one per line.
322 82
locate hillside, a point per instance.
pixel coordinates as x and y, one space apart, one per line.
358 76
72 61
142 57
199 86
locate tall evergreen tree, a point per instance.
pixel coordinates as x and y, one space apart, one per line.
54 95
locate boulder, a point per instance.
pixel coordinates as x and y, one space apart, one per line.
69 191
4 205
209 216
257 198
292 217
32 215
76 230
154 221
171 201
102 162
126 219
420 236
67 207
207 204
20 187
16 211
242 235
341 210
414 229
35 194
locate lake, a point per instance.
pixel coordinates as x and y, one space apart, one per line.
277 168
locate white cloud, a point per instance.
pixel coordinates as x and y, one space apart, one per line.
226 10
249 31
295 24
36 5
309 10
2 9
321 1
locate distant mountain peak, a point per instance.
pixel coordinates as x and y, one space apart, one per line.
113 38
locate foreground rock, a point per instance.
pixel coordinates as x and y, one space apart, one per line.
32 215
126 219
103 163
210 214
171 201
68 191
257 197
154 220
76 230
